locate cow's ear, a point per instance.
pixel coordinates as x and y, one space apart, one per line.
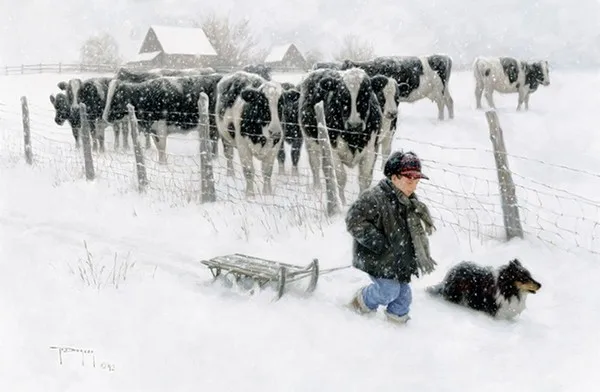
347 64
62 85
379 82
329 84
250 95
52 99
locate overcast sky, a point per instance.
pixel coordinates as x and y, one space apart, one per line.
566 33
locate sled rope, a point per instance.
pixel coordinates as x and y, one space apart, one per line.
329 270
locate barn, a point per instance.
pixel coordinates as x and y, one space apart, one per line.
286 57
174 47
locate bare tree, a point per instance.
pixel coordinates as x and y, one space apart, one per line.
258 56
233 41
313 56
100 49
353 48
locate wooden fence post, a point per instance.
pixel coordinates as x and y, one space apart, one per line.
327 160
207 182
90 174
26 130
510 207
140 167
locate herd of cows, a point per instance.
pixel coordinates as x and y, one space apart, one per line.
251 113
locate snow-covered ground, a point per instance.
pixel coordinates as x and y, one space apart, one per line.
166 327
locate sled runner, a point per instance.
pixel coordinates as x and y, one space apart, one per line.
237 266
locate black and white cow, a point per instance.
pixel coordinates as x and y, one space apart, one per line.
139 76
63 113
327 65
388 95
163 105
91 92
66 106
508 75
249 112
291 127
417 77
353 118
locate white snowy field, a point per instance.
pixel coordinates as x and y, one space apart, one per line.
166 327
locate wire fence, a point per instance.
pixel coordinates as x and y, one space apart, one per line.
465 197
28 69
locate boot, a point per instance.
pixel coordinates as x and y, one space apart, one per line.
358 304
399 320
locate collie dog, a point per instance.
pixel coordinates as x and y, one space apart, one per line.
500 292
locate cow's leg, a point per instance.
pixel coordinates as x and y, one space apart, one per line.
387 134
125 132
267 169
161 142
117 130
281 158
340 174
314 159
449 103
228 152
246 159
439 101
527 101
100 128
366 165
489 96
522 96
296 147
93 136
76 134
478 92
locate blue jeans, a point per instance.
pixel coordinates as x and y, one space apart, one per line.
387 292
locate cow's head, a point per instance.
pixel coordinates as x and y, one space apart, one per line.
71 89
61 107
349 97
263 110
291 109
538 73
388 95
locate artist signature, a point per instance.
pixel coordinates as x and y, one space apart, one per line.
85 353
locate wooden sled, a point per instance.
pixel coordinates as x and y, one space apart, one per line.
237 266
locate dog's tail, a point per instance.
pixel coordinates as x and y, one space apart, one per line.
435 290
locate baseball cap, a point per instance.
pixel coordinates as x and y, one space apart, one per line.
401 162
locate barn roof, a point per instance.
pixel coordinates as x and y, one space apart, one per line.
148 56
277 53
183 40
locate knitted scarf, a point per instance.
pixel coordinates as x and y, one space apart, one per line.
420 224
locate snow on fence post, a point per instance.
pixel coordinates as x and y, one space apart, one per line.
26 130
140 166
327 159
510 206
84 134
207 182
